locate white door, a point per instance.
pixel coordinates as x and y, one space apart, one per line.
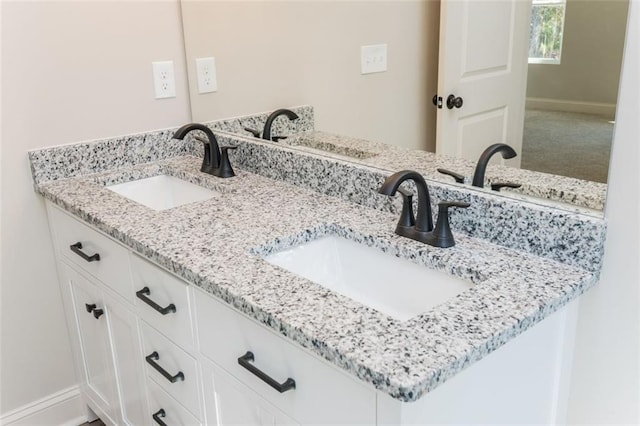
482 60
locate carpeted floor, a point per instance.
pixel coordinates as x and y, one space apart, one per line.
567 144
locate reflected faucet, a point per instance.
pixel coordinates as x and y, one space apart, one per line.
422 230
216 159
506 151
266 132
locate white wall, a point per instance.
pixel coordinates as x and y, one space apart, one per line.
606 373
273 54
71 71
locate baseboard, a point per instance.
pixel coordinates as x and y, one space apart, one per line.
61 408
606 110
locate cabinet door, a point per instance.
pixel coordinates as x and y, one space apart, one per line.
229 402
98 381
127 354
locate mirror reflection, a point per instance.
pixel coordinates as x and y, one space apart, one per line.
572 86
271 54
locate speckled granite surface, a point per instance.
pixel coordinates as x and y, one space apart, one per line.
211 245
281 126
335 144
557 234
83 158
540 186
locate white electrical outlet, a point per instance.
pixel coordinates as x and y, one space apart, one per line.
164 80
373 58
206 68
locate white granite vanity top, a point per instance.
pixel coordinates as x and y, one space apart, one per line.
577 194
217 245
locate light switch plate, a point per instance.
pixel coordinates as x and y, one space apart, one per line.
373 58
207 79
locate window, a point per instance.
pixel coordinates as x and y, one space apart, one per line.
547 26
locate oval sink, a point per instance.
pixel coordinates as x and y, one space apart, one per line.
162 192
382 281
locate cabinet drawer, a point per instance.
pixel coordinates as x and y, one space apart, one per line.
322 394
164 290
166 409
171 362
112 268
229 402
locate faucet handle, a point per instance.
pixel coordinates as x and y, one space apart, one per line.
442 231
254 132
457 176
407 219
225 170
499 185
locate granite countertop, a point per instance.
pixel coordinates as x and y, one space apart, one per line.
218 246
576 194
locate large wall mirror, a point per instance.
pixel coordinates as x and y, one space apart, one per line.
273 54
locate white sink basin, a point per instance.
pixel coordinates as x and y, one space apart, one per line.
394 286
162 192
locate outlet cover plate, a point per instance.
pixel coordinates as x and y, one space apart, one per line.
207 78
164 80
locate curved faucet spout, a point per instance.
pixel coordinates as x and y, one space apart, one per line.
212 151
424 219
266 132
506 151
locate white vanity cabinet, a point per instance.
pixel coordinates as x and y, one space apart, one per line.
141 360
321 394
151 349
131 324
106 348
102 323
